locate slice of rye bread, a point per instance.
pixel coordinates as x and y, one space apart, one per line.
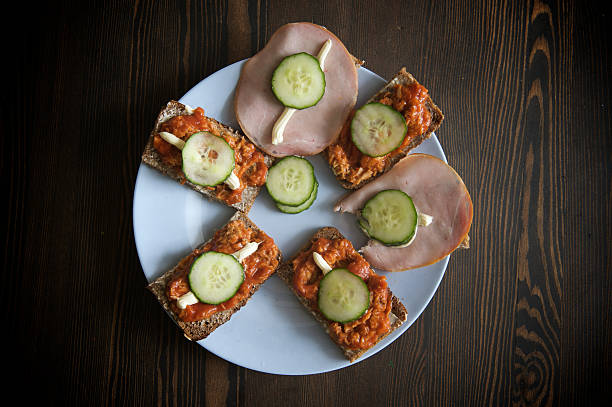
195 331
152 157
285 272
402 78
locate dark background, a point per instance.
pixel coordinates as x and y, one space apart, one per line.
523 317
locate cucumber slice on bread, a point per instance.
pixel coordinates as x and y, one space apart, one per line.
215 277
208 160
377 129
343 296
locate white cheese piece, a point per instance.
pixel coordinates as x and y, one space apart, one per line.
425 220
321 263
246 251
323 53
281 123
172 139
186 299
232 181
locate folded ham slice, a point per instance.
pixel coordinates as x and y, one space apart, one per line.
310 130
436 190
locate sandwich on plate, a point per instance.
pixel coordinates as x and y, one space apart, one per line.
206 156
376 136
337 285
217 278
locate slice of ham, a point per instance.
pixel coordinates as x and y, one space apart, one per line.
436 190
310 130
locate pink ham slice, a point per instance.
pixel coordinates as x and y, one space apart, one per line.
310 130
437 190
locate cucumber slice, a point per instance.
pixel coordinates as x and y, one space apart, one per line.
298 81
291 181
215 277
207 159
302 207
343 296
377 129
389 217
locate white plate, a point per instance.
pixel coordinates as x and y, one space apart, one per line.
273 333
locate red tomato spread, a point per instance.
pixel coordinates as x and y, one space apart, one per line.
352 165
364 332
250 167
231 238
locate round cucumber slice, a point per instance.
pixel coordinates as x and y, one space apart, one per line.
343 296
215 277
302 207
298 81
389 217
208 160
291 181
377 129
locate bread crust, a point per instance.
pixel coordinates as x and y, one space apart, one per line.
402 78
285 272
195 331
151 157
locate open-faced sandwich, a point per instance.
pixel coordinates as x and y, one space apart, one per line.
379 134
216 279
338 286
207 156
416 214
295 94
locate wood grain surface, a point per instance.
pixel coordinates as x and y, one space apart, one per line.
522 318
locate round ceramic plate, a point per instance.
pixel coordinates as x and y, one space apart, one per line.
273 333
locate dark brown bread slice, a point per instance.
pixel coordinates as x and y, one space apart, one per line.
403 78
151 157
285 272
201 329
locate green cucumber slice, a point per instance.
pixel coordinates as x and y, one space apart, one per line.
215 277
291 181
389 217
302 207
343 296
298 81
377 129
208 160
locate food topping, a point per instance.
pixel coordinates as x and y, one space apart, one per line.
186 299
339 253
208 160
321 263
351 165
250 167
230 239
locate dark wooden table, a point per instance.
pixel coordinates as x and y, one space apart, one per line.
523 317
